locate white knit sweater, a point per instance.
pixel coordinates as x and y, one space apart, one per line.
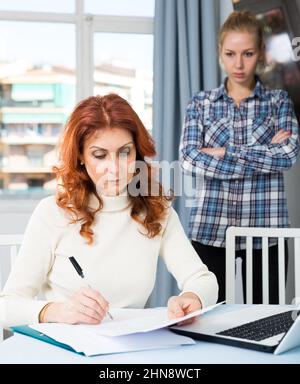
121 264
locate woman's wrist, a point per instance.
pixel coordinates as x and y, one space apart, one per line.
48 313
43 312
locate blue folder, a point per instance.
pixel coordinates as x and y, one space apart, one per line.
26 330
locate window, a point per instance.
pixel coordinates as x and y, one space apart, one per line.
125 72
35 155
37 83
38 5
36 44
47 65
35 183
120 7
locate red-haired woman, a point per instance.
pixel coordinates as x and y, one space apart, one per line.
103 217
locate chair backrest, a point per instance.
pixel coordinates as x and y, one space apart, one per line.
13 242
264 233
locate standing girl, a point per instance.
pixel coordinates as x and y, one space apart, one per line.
239 138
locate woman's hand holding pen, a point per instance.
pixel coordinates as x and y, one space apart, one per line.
179 306
86 306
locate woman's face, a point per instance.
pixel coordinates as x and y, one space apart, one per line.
109 158
240 54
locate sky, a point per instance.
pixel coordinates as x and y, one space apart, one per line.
43 43
104 7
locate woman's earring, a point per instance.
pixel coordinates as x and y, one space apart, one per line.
81 163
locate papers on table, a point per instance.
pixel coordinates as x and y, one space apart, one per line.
89 344
131 330
128 321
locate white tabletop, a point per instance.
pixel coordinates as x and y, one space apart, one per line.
23 349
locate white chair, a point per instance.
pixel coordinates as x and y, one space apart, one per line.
264 233
13 242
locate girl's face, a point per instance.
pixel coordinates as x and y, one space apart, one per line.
240 54
109 158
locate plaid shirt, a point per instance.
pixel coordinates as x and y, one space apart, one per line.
245 187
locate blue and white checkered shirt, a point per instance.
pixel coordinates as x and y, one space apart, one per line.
245 187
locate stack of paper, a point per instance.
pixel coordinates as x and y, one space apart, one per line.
130 330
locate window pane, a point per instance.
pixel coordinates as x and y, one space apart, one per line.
65 6
121 7
127 72
37 93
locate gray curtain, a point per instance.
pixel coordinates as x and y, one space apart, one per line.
185 61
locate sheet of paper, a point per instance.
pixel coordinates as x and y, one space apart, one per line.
128 321
83 341
130 330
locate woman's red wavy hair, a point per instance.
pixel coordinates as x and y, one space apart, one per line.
74 184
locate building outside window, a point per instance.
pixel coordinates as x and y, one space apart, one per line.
50 61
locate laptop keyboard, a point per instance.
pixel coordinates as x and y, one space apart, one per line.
264 328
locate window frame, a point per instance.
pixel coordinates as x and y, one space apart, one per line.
85 27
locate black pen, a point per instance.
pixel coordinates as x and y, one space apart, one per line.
80 273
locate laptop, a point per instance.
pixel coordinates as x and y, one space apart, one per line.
267 328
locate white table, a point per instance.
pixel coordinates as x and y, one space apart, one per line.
22 349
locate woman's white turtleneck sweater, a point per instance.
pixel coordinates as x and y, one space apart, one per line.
121 264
